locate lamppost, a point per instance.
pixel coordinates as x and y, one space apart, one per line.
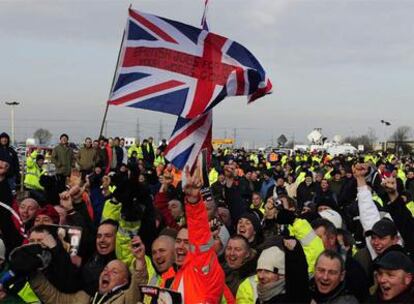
13 104
385 124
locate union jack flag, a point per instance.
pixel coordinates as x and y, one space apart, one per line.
179 69
189 137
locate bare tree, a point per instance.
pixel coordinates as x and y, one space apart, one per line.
400 137
43 136
372 137
367 140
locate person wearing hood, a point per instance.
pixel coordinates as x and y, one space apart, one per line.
6 195
249 226
8 154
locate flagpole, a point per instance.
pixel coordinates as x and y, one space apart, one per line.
113 82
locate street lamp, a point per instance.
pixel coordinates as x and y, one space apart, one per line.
385 124
13 104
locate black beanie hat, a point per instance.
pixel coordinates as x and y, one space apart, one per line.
254 218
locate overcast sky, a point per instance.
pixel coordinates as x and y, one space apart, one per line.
337 64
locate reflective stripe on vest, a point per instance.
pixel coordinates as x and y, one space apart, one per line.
253 283
127 233
35 174
202 248
305 241
154 280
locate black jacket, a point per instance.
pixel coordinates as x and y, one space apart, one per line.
404 221
339 295
7 152
348 192
80 217
61 272
119 156
10 235
235 202
407 297
5 192
356 280
305 193
409 186
235 277
92 270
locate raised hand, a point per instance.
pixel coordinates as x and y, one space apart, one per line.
48 241
290 244
360 170
192 186
76 193
166 180
390 186
66 200
138 251
75 178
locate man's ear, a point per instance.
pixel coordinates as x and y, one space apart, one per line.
408 279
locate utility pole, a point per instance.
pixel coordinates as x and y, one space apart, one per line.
234 136
225 133
12 104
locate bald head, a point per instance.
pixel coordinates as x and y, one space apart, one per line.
114 274
163 253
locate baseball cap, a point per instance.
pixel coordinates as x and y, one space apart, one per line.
395 260
272 259
383 228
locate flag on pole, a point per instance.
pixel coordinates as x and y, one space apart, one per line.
171 67
194 135
204 24
189 137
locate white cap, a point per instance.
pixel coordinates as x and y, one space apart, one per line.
2 250
272 259
332 216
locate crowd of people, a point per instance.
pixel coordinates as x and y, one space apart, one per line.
300 228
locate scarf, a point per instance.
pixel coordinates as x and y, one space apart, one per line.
327 297
265 293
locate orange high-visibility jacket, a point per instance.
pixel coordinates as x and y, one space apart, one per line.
201 278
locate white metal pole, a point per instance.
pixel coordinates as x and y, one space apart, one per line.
12 124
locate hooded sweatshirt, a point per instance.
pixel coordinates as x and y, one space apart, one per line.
8 154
